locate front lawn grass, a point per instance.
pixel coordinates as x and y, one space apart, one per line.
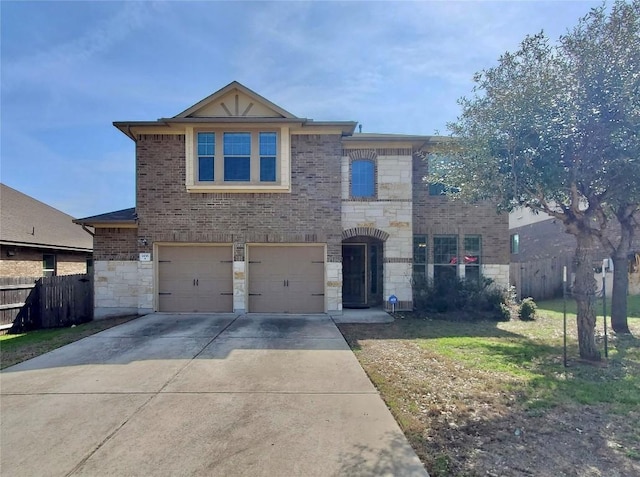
469 396
554 307
15 348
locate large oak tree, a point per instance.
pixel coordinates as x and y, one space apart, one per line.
555 127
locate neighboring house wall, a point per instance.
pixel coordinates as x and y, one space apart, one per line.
32 231
544 248
28 262
436 215
634 275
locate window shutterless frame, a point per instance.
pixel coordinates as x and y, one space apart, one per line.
250 157
206 156
49 265
237 156
445 257
228 158
363 176
472 258
420 248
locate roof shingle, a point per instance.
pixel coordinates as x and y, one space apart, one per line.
27 221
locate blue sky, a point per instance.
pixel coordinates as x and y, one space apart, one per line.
69 69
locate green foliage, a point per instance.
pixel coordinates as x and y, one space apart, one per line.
504 313
554 123
554 127
441 465
555 307
527 309
478 299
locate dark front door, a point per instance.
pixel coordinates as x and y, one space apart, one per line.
354 276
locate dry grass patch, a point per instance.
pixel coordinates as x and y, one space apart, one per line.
490 398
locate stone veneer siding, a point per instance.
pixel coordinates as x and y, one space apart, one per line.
122 287
390 211
438 215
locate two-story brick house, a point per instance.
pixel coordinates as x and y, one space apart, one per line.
242 206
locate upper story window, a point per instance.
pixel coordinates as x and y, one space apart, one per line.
363 178
268 153
515 243
206 154
237 156
248 160
438 166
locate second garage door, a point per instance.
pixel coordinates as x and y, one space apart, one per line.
195 278
286 279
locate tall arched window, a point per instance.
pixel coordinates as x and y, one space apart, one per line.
363 178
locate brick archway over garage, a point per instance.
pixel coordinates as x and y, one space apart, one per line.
365 232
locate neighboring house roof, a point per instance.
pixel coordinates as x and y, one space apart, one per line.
125 218
25 221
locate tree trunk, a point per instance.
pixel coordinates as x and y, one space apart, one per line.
619 295
621 270
584 290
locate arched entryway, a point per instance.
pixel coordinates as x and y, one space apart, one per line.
362 267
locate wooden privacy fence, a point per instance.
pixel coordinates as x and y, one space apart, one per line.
541 279
30 303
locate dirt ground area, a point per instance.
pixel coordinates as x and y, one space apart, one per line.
472 420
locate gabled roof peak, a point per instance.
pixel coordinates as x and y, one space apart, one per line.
235 101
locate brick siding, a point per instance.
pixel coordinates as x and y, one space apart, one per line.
438 215
167 212
115 244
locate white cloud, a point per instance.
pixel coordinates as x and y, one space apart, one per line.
396 67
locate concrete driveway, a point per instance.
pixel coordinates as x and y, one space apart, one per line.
200 395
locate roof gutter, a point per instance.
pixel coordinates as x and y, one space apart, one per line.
46 246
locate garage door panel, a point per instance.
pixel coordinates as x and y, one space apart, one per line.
217 303
286 278
195 278
177 287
